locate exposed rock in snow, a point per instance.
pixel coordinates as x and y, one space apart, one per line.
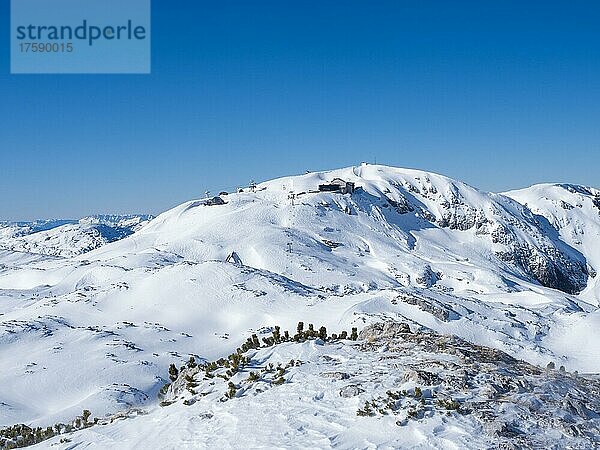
233 258
98 330
572 213
397 389
214 201
426 277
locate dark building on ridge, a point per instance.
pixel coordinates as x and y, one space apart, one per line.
338 185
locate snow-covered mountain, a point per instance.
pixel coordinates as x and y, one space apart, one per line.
574 212
68 237
516 272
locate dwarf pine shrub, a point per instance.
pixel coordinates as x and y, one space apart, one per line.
85 416
163 391
393 395
20 435
450 405
366 410
323 333
231 391
173 372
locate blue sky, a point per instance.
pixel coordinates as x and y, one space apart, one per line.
501 96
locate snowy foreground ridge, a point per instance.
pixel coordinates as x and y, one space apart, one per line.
491 288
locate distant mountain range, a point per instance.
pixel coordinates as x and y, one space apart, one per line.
68 237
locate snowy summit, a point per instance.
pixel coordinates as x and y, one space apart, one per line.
475 318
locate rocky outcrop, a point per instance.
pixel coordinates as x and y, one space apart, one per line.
427 277
431 306
518 405
383 330
517 236
550 268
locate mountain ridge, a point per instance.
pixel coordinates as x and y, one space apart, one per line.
406 245
65 237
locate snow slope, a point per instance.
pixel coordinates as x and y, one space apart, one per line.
395 389
574 211
98 330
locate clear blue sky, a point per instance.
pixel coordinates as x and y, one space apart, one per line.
501 96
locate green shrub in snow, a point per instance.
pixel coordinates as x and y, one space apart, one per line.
173 372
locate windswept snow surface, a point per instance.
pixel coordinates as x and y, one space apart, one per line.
98 330
421 390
